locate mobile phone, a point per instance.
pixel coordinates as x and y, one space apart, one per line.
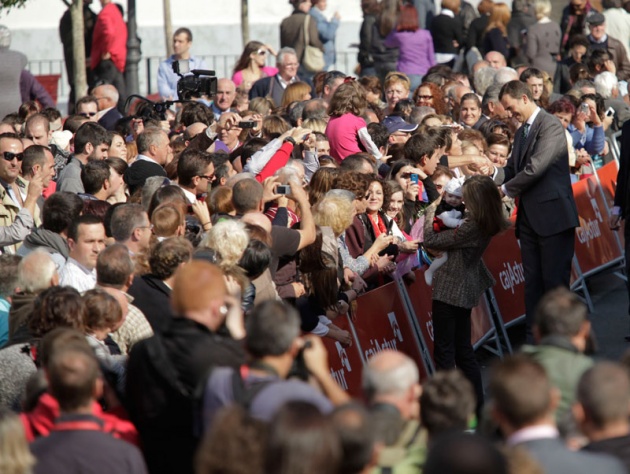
610 112
414 178
283 189
247 124
585 109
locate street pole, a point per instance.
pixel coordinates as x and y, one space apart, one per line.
133 50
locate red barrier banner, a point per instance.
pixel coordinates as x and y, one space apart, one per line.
421 297
595 244
382 323
503 259
608 180
346 365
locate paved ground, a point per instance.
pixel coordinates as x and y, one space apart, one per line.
609 320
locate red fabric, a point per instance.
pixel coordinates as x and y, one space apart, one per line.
50 189
379 227
40 421
110 36
277 161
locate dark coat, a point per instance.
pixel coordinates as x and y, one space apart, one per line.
165 409
109 120
153 298
139 171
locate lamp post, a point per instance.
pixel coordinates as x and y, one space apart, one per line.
133 50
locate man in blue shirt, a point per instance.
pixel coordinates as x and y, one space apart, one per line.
167 79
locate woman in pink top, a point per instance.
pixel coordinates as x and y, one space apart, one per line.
251 65
346 130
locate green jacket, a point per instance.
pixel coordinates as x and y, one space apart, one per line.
407 455
564 365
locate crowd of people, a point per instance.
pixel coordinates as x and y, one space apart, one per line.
168 276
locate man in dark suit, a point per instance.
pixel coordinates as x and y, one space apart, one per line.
274 86
153 153
107 97
537 174
621 209
524 403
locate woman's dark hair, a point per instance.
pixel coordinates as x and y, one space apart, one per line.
102 310
354 182
168 255
117 164
387 192
234 444
483 200
397 166
243 61
599 103
57 306
561 106
255 259
60 210
302 440
319 272
164 194
498 139
321 182
96 207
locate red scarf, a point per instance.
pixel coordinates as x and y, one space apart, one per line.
378 224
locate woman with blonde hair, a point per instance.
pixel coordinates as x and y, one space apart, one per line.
496 38
543 38
296 92
15 457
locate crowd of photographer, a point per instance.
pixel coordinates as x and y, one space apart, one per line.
170 270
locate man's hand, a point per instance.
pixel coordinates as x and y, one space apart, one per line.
298 194
614 222
298 288
315 356
269 189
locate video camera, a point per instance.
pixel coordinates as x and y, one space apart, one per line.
201 82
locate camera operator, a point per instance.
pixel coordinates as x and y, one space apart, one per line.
274 344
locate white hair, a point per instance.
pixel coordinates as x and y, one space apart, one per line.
36 271
484 78
605 83
380 381
505 75
283 52
229 238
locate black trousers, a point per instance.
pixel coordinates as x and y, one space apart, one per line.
546 265
451 345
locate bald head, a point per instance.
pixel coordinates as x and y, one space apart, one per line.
198 293
392 377
106 96
226 93
496 59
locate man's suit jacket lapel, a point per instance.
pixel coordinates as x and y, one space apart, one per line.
525 144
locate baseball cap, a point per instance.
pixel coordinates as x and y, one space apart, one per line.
394 124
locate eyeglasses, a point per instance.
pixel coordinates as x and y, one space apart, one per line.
261 52
9 156
209 178
150 227
87 114
424 97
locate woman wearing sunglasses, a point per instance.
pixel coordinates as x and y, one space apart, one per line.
251 65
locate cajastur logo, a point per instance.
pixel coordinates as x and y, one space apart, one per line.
395 327
343 357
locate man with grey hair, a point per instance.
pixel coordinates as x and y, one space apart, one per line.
419 113
607 85
491 106
391 384
153 151
272 339
274 86
483 79
131 227
505 75
36 272
12 64
107 97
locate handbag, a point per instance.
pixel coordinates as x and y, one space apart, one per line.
313 59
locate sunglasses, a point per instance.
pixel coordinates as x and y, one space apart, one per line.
261 52
209 178
9 156
87 114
